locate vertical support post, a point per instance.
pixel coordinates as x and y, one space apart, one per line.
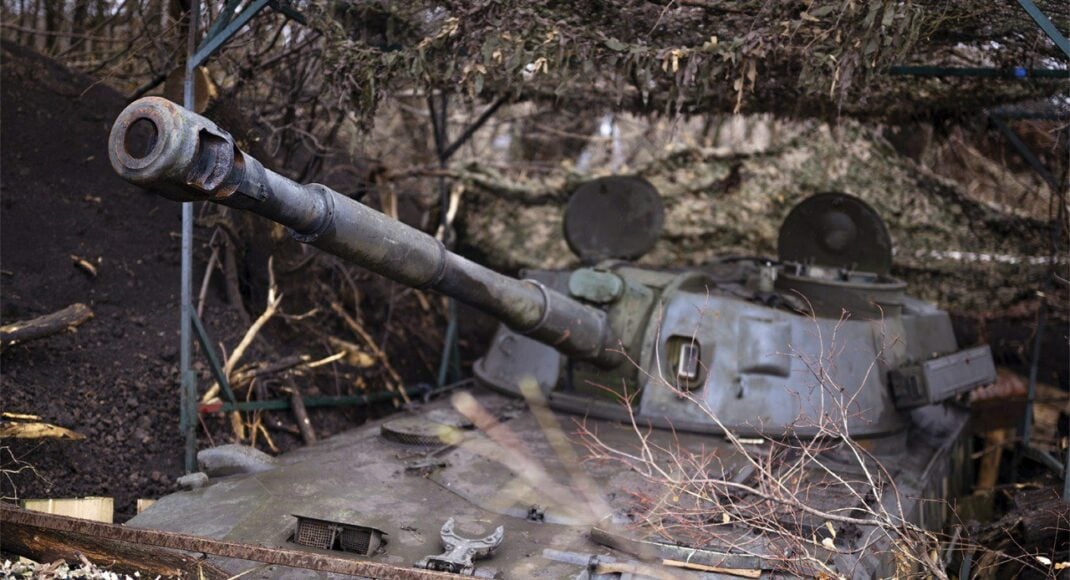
1066 477
449 368
187 378
1025 429
1025 152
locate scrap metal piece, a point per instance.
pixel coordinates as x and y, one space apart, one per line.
459 553
426 463
425 466
647 549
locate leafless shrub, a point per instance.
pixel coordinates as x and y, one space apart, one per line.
795 502
11 467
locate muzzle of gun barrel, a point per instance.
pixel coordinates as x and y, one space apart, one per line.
184 156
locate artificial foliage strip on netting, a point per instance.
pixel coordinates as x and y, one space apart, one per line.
819 58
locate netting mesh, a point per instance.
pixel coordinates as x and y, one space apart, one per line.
812 59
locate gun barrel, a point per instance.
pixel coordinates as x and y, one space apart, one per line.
161 146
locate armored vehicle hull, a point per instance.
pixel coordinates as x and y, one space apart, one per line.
408 491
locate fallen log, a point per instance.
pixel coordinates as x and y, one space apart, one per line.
15 518
47 325
44 545
1032 536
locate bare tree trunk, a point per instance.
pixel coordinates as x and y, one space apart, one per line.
80 25
100 14
24 15
36 41
53 23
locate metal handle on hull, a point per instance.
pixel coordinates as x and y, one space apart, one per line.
158 145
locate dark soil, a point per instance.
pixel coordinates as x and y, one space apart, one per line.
115 380
112 380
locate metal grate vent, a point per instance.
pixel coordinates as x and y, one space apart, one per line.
356 540
328 535
315 533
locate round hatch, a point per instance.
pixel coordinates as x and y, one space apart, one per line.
416 431
836 230
616 217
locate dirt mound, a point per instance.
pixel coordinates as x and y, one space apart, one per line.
114 379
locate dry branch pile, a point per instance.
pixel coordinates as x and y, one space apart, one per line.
797 504
316 330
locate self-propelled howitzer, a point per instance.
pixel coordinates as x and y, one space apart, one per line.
743 336
764 348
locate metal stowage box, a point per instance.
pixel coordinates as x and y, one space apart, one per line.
941 378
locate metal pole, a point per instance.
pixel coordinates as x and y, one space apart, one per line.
449 369
1027 153
1066 476
1025 429
1015 72
439 115
1046 25
187 378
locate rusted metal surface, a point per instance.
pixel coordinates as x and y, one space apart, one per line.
289 557
186 157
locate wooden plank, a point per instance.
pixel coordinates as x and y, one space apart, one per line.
97 509
988 473
144 504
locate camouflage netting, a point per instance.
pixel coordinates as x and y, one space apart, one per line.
812 58
952 249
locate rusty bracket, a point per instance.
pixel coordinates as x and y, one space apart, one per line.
288 557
